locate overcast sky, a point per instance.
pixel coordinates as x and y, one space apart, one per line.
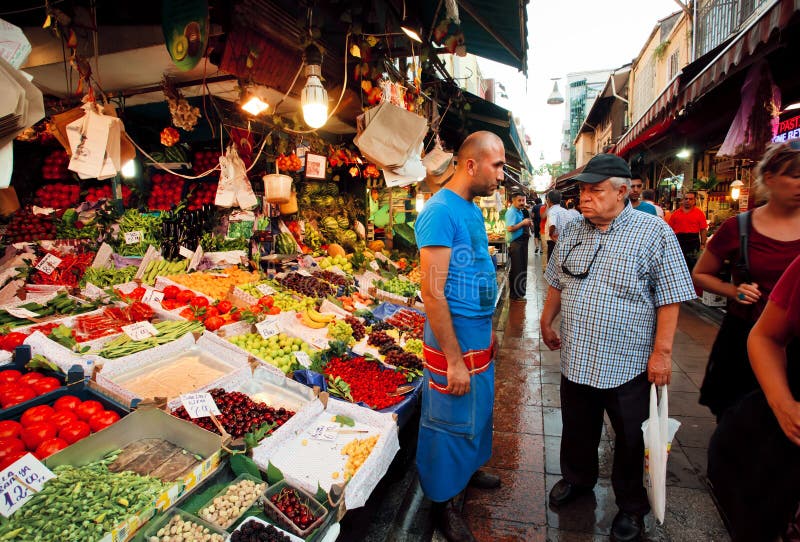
567 36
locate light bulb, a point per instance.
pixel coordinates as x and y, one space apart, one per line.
735 192
255 106
129 169
314 100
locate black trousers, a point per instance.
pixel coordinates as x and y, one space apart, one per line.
690 246
518 277
582 410
551 246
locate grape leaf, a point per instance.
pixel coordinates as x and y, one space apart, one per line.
274 474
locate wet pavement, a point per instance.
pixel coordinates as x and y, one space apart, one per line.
527 424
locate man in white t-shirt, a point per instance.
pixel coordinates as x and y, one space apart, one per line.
650 197
557 216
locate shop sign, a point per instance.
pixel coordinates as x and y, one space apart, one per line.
744 199
788 129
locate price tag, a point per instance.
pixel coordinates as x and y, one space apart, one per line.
102 256
268 328
196 258
303 272
48 264
265 289
326 432
318 342
374 265
140 331
199 405
185 252
20 481
419 295
133 237
19 312
302 358
153 296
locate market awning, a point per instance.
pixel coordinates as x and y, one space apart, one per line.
563 182
661 107
746 43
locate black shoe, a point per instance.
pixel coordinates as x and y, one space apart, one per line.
452 524
484 480
564 492
626 527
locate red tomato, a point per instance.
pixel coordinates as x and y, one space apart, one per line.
45 385
224 307
184 296
188 313
101 420
10 446
214 323
9 429
87 409
19 394
63 417
236 316
16 456
34 435
74 432
274 310
13 340
37 414
170 304
266 301
29 378
9 376
138 293
198 302
211 312
67 402
171 292
49 447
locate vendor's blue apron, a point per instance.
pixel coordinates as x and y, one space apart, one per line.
455 434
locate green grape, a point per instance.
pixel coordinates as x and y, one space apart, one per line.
340 330
414 346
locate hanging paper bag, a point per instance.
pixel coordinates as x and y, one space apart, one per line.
658 431
88 139
391 135
112 163
245 197
226 189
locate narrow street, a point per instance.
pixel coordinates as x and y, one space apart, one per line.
527 423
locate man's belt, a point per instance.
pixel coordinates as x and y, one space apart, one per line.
477 361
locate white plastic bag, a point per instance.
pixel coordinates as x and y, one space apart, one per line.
234 188
658 431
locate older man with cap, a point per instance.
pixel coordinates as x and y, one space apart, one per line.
617 278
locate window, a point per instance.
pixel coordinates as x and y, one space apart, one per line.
644 89
673 65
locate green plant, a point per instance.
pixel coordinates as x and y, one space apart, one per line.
661 50
707 183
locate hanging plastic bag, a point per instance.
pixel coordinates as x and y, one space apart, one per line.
226 189
245 197
658 431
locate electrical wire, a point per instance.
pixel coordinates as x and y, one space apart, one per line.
25 10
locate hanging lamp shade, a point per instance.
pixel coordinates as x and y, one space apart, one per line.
555 97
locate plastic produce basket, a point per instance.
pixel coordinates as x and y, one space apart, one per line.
151 532
225 524
280 518
290 536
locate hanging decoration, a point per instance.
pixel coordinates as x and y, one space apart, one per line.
185 27
449 35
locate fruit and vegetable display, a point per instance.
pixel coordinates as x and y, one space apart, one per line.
203 161
102 277
256 531
17 388
339 330
166 191
399 286
68 271
367 382
104 192
59 195
278 350
94 501
201 193
226 508
306 285
109 321
338 261
291 508
60 305
409 322
214 284
55 166
357 451
240 415
142 231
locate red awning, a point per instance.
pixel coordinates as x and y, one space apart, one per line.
642 129
650 133
739 50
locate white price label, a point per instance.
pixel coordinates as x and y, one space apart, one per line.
265 289
303 359
19 312
185 252
140 331
20 481
102 256
268 328
48 264
133 237
318 342
303 272
374 265
197 257
199 405
153 296
326 432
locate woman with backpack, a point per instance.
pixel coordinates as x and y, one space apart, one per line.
759 244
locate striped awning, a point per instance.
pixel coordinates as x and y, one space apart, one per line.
663 106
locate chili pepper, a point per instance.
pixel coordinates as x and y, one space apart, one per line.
369 382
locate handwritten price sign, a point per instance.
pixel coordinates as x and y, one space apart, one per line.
48 264
20 481
303 359
265 289
374 265
199 405
133 237
268 328
153 296
140 331
327 432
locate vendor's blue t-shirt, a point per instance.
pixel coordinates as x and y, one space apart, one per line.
513 217
448 220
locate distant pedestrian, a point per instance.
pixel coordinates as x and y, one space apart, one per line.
518 228
690 226
616 271
773 242
649 196
636 197
557 216
754 455
459 286
536 217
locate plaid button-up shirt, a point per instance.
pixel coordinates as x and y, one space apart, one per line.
608 317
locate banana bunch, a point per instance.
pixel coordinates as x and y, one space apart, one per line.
162 267
314 319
